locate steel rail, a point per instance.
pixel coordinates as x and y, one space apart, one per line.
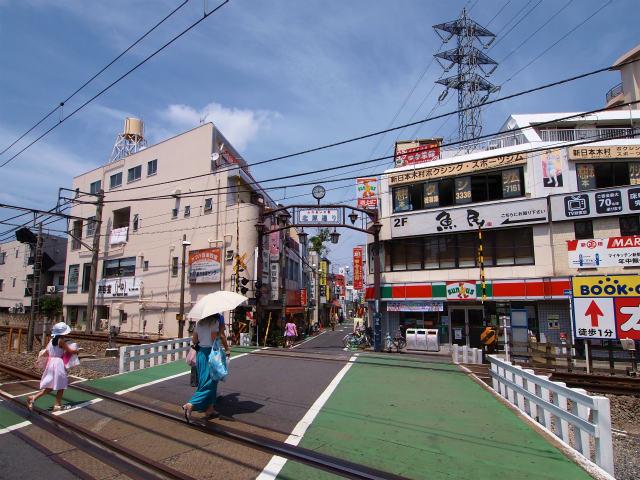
298 454
123 459
97 337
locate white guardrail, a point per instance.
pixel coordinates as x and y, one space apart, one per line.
464 354
581 421
136 357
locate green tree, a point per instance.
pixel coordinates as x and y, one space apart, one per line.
318 242
51 306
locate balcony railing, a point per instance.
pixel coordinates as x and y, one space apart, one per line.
614 92
507 139
575 134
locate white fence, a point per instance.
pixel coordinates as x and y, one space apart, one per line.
135 357
464 354
579 420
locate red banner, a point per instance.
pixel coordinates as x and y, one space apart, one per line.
357 269
303 297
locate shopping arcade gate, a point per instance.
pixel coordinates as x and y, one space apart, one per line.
326 216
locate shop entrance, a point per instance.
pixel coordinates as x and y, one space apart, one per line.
466 325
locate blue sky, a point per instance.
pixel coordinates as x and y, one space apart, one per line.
276 77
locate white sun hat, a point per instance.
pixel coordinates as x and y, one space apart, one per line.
60 328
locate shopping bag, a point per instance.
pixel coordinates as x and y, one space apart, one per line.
217 363
191 357
70 360
43 358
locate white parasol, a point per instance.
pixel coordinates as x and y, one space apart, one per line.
216 302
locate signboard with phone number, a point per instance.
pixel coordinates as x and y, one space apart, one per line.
595 204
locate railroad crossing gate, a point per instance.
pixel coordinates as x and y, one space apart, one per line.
606 306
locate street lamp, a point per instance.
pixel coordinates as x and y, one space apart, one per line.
185 244
334 236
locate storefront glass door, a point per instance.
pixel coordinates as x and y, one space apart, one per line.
466 325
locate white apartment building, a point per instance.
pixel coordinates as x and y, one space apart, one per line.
533 197
16 272
194 185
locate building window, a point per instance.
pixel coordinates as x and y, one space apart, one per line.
115 180
95 187
134 173
500 248
174 267
607 174
174 213
2 257
13 282
119 267
583 229
91 227
187 211
136 222
72 282
208 205
121 217
152 167
17 252
145 265
77 235
629 225
86 275
483 187
1 284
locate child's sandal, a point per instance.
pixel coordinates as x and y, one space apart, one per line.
57 408
30 403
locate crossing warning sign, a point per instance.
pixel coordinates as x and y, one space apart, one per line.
606 306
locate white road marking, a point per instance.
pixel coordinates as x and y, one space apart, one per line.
14 427
273 468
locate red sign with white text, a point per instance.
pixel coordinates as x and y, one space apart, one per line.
358 282
628 317
425 152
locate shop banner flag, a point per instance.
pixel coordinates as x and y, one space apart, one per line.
358 282
604 252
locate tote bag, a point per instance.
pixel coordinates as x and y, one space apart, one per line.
217 363
191 357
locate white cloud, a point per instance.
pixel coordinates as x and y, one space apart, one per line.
240 126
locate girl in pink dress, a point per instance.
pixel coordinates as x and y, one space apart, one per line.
54 376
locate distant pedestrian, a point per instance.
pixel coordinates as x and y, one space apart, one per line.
290 332
54 377
333 321
204 335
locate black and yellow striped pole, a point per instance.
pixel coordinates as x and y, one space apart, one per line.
483 282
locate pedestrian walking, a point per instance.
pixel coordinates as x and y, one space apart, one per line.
208 331
333 321
290 332
54 377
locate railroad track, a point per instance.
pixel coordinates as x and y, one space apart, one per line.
95 337
102 449
599 383
308 457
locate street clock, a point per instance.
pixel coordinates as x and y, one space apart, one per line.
318 192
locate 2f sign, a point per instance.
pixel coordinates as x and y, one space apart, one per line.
594 318
400 222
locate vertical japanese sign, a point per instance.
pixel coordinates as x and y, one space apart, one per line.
204 265
357 268
367 192
322 281
274 246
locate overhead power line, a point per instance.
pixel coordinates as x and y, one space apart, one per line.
124 52
199 193
120 78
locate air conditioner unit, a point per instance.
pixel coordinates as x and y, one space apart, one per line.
228 255
51 289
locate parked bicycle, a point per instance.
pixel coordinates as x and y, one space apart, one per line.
398 342
357 340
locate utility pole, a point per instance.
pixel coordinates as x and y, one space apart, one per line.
258 280
93 275
35 288
377 327
185 244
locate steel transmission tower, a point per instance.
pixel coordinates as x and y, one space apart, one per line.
473 68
